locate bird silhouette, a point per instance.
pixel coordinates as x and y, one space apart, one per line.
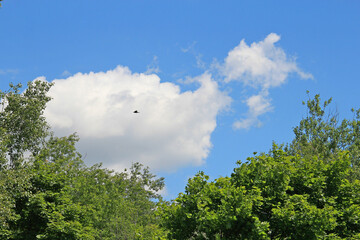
136 111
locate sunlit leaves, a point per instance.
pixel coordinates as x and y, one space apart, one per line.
47 192
308 190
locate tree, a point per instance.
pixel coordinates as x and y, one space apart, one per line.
322 132
37 169
49 210
22 124
271 196
22 131
121 205
47 192
214 210
306 190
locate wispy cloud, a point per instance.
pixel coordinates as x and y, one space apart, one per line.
8 71
198 56
258 105
190 47
261 65
153 67
199 62
66 73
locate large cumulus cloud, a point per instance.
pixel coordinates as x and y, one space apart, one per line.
173 128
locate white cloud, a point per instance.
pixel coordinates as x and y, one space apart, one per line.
246 123
258 105
199 62
173 128
163 192
260 65
190 47
153 67
66 73
8 71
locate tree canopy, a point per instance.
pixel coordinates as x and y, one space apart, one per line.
306 189
309 189
47 192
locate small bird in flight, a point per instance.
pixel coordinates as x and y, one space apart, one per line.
136 111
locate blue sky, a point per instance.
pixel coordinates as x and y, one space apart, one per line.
181 64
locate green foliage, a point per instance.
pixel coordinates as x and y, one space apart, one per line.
271 196
46 191
308 190
22 131
321 132
215 210
121 203
23 126
38 190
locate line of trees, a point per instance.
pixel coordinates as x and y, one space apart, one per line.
306 189
47 192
